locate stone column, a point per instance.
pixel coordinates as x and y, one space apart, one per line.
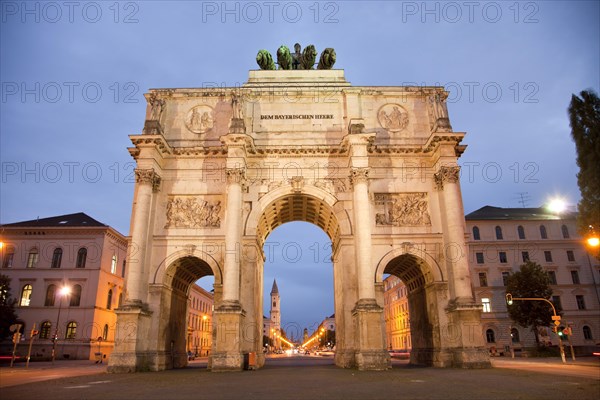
362 231
233 236
447 180
148 183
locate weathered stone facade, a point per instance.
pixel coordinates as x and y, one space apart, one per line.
289 146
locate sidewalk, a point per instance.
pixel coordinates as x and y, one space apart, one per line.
44 370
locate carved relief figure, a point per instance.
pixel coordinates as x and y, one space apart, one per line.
193 212
393 117
407 209
156 107
438 113
199 119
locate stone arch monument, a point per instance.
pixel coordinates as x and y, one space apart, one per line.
374 167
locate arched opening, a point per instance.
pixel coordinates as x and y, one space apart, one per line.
175 330
298 256
298 301
419 341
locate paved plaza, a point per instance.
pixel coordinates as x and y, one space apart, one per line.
310 378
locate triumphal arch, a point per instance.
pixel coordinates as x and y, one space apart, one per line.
219 168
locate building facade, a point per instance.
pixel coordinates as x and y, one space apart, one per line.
43 256
502 239
200 309
396 314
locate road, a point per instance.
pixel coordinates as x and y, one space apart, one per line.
304 377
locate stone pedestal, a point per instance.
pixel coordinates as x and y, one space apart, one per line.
228 322
468 350
131 340
370 354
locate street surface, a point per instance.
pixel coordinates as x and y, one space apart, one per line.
302 377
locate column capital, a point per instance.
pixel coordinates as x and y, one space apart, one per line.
359 175
148 176
446 174
236 175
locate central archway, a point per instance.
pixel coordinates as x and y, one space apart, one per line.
320 208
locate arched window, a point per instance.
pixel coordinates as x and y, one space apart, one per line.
75 296
56 258
9 256
113 265
71 330
32 258
490 336
26 295
45 330
514 333
81 258
50 296
521 232
587 333
565 231
109 299
543 232
120 303
476 235
499 233
105 332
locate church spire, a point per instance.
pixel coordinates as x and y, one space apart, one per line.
274 290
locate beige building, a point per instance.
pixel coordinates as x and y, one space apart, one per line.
501 239
200 309
75 251
396 314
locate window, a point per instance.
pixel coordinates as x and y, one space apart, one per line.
570 255
502 257
499 233
580 302
120 303
26 295
32 258
50 296
123 269
505 276
479 257
514 334
71 330
556 302
105 332
587 333
490 336
109 299
476 235
482 279
543 232
525 256
552 277
521 232
56 258
75 296
113 265
565 231
81 258
7 261
575 277
45 330
487 306
548 256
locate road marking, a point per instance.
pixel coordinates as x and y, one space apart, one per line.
417 380
77 387
97 382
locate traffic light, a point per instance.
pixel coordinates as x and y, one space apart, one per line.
509 299
16 337
34 332
560 331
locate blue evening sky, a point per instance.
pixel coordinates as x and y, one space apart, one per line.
73 75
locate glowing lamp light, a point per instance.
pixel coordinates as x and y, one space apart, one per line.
557 205
593 241
65 290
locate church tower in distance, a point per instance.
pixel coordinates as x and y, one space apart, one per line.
275 315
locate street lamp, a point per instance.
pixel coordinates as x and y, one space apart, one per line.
63 292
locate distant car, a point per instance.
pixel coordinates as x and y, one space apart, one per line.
401 354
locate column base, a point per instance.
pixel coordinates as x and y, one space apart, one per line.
228 356
369 327
131 340
345 359
467 349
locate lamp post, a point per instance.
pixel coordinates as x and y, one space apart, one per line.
64 291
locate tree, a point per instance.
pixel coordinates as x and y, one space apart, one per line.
584 114
533 282
7 307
